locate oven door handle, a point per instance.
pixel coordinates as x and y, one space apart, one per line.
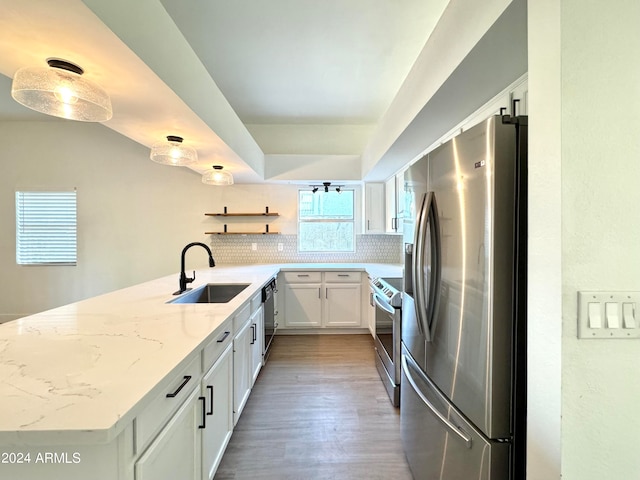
383 305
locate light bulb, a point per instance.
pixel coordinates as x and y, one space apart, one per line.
66 95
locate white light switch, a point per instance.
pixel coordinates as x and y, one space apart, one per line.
608 315
613 317
595 318
628 318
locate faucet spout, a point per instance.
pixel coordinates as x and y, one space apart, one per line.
184 280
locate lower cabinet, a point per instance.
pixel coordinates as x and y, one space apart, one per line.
242 369
342 305
257 341
302 305
322 300
175 452
217 388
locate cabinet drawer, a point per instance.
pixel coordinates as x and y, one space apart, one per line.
158 412
216 346
303 277
342 277
242 317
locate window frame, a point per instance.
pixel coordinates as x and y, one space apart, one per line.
34 234
352 220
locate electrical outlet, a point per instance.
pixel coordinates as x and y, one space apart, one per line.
280 247
254 246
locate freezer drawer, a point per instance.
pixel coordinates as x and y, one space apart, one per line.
438 442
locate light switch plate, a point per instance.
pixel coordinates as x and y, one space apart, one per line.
598 311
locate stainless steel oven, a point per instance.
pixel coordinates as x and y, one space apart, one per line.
387 298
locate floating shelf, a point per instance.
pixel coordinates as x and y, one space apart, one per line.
225 232
242 214
266 213
241 233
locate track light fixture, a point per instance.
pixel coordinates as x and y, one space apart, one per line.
325 186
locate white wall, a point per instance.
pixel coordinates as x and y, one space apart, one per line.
134 216
544 274
600 232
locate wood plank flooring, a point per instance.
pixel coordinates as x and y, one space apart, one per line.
318 411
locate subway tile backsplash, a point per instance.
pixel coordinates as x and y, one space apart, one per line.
236 250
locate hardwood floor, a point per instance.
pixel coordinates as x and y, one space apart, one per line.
318 411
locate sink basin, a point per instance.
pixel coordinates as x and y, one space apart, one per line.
212 293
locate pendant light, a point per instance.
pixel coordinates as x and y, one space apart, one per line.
173 152
61 91
217 177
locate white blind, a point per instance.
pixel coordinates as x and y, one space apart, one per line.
46 230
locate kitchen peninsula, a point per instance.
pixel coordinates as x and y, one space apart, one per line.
83 386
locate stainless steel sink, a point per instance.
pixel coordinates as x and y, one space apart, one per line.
212 293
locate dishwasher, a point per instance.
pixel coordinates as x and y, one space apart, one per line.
270 325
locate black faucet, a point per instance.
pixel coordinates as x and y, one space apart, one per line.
184 280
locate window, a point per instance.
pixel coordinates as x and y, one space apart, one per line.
325 221
46 228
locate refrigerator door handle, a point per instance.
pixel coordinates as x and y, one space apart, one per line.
417 262
427 309
457 431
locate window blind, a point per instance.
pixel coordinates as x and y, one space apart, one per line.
46 229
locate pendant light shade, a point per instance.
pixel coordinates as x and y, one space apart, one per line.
61 91
217 177
173 152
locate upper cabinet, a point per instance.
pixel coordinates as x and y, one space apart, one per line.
394 203
374 209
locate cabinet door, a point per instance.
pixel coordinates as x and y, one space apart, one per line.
340 308
175 453
374 208
257 326
391 217
217 388
241 370
371 314
302 305
400 201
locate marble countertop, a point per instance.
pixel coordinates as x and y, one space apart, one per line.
81 372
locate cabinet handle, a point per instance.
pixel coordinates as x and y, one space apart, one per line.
210 388
184 382
368 228
224 337
253 334
343 274
319 294
303 274
326 293
204 412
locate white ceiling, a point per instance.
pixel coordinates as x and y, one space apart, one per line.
300 84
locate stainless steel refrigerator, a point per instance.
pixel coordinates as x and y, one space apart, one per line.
463 402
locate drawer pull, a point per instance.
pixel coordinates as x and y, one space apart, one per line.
303 274
184 382
210 388
224 337
204 412
343 274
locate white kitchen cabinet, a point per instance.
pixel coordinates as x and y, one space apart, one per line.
333 300
342 305
394 203
257 327
371 313
175 452
241 369
217 388
374 214
302 305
